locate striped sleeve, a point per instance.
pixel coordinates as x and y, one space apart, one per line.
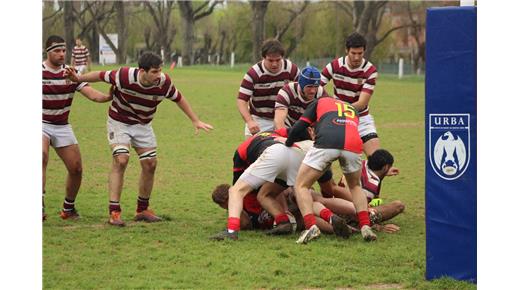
108 76
282 99
370 83
246 87
326 74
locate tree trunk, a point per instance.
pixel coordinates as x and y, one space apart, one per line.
121 32
259 9
68 22
188 57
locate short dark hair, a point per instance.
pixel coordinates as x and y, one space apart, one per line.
272 46
355 40
148 60
379 159
220 194
53 39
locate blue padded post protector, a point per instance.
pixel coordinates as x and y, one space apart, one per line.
451 149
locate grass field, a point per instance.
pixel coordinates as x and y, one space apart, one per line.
88 254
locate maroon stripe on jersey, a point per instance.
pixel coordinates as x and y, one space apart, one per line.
121 118
136 100
262 114
48 75
123 112
56 119
59 89
267 92
56 104
264 104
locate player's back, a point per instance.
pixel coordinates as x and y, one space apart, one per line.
337 125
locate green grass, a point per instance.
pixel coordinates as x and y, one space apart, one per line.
176 253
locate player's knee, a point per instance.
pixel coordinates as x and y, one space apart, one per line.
76 169
45 158
149 165
120 161
399 205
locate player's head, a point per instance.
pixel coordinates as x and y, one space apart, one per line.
309 81
56 50
150 65
220 195
272 54
382 160
355 47
78 41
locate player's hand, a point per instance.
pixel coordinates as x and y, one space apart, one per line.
201 125
387 228
71 74
253 127
393 171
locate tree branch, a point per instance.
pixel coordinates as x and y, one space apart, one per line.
378 41
53 14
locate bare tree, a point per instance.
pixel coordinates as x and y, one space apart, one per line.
293 14
165 32
68 21
418 54
259 9
122 32
367 18
189 16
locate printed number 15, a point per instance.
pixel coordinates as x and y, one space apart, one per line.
344 110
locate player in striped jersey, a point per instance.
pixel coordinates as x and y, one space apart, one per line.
354 80
293 98
137 93
80 57
57 95
260 85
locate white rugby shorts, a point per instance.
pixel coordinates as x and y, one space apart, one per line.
321 159
272 163
138 135
59 135
366 125
82 69
263 123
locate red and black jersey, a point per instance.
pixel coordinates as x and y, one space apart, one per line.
335 124
249 150
259 218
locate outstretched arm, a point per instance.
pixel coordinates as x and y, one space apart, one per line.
198 124
90 77
95 95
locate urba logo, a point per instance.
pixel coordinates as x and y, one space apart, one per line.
449 144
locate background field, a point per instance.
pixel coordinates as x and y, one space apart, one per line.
177 253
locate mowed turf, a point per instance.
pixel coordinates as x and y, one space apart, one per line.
176 253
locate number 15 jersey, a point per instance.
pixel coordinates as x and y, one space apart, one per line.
336 124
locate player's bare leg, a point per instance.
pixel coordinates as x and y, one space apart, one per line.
337 205
360 203
72 159
304 180
388 211
237 192
115 182
45 161
267 197
148 160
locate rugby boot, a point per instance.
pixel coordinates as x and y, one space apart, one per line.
115 219
340 227
225 235
308 235
284 228
368 234
375 216
69 214
147 216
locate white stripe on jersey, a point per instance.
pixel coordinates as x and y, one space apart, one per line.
54 112
56 97
269 85
245 91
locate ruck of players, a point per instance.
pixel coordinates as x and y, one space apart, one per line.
283 179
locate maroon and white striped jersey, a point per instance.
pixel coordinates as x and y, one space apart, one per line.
80 55
348 82
259 87
370 182
133 103
290 97
57 94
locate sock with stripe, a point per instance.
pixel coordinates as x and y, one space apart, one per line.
68 205
114 206
142 203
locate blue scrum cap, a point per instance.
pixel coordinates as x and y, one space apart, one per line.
310 76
